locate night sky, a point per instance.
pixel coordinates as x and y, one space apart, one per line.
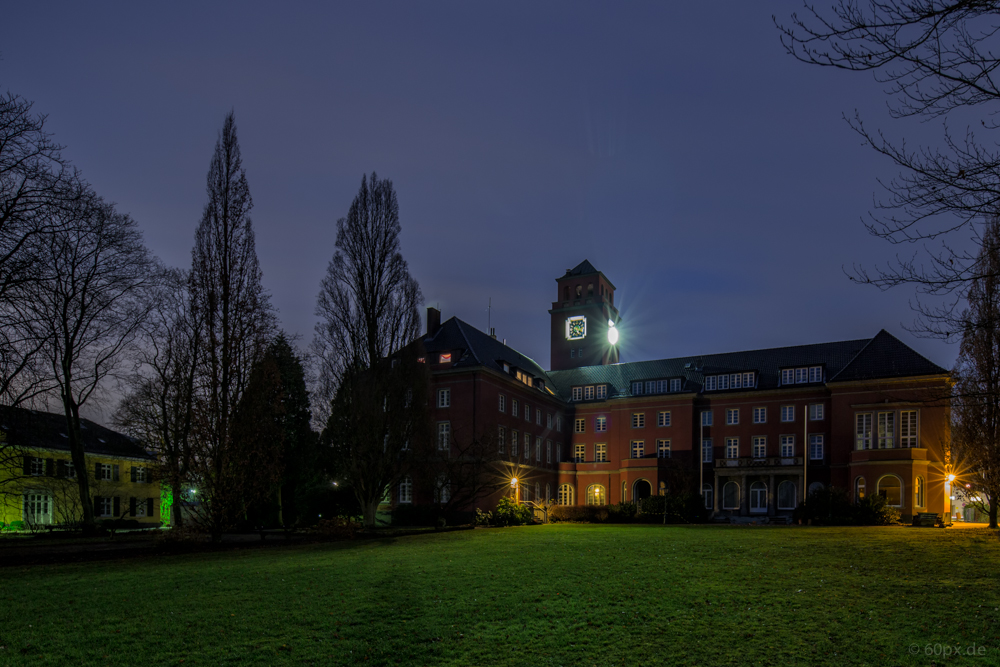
676 146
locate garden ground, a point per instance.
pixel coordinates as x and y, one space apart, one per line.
540 595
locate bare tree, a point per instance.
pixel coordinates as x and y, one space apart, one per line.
367 307
159 406
236 323
937 59
87 305
976 407
471 467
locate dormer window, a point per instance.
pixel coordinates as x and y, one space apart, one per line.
729 381
445 358
801 375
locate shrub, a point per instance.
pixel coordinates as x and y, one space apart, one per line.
338 528
511 513
585 514
874 510
622 512
832 507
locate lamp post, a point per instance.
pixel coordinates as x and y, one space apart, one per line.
513 489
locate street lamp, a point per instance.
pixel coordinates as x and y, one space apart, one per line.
513 487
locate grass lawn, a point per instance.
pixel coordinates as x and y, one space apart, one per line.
542 595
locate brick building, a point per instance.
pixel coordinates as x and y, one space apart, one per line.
754 430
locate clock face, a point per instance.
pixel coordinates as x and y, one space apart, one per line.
576 327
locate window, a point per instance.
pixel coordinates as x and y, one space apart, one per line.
548 420
638 420
886 430
577 393
636 388
760 415
548 451
548 492
731 496
733 416
602 391
527 412
37 508
863 430
787 413
651 387
890 488
444 398
503 403
918 492
816 412
588 392
706 450
788 376
815 373
572 353
406 490
758 497
36 466
538 417
600 424
444 436
707 493
787 446
661 386
559 423
786 495
538 491
445 358
103 471
638 449
527 445
581 425
565 496
140 506
601 453
442 490
502 438
69 470
139 474
710 383
801 375
663 418
723 381
759 446
859 489
558 453
908 429
513 443
748 381
538 449
104 506
663 449
732 448
596 495
579 453
816 447
514 407
706 418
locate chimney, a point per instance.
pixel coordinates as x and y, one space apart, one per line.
433 320
493 333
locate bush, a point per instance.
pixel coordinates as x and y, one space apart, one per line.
622 512
574 513
832 507
338 528
874 510
511 513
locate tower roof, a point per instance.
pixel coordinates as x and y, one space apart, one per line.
584 268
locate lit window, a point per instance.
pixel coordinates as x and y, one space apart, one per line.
406 490
502 438
445 358
581 426
732 448
663 449
600 424
919 492
706 450
638 449
731 496
786 495
579 453
596 495
816 447
444 436
577 393
890 488
663 418
787 446
760 415
565 495
444 398
787 413
886 430
816 412
503 403
706 418
759 446
908 429
859 489
602 391
601 453
638 420
675 385
733 416
863 430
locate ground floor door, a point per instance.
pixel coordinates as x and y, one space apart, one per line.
641 489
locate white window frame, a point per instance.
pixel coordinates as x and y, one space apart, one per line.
725 504
579 453
637 388
602 392
787 414
787 446
816 446
760 447
675 384
577 393
503 403
909 429
663 448
406 490
706 451
514 407
732 416
588 392
760 415
515 441
887 430
732 448
863 430
444 436
444 398
817 412
548 451
502 436
706 417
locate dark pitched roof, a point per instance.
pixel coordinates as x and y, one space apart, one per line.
881 357
885 356
475 348
582 269
31 429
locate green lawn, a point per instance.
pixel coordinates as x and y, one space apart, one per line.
544 595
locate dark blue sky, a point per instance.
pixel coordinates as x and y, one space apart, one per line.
706 173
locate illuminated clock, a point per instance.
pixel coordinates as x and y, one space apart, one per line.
576 327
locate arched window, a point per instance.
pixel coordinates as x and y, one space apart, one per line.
708 492
890 488
731 496
641 489
596 495
815 487
565 494
406 490
786 495
758 497
919 492
859 489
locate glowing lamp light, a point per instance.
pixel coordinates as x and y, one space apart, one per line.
612 332
513 482
951 477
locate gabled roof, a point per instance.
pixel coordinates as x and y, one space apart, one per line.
34 429
478 349
885 356
582 269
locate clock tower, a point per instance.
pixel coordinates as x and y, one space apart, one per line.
584 320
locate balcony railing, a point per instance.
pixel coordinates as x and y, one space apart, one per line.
767 462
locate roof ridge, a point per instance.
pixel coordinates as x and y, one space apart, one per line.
470 347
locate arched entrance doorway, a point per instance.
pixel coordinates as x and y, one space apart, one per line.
641 489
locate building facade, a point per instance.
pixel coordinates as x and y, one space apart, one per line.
754 431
